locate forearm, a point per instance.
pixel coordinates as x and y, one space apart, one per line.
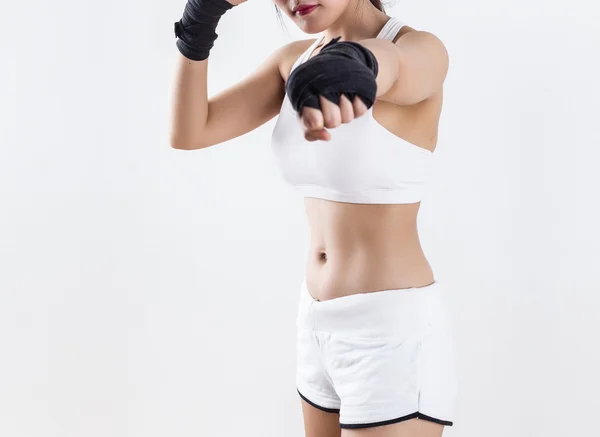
386 54
195 33
190 102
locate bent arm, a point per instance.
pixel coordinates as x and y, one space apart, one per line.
198 122
410 70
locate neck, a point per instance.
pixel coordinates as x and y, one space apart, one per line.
361 20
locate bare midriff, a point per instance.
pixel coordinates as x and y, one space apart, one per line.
360 248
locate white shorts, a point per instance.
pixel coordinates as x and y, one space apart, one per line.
377 358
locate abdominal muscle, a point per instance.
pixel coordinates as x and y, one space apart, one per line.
360 248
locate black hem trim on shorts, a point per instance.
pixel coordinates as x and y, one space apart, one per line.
433 419
327 410
416 415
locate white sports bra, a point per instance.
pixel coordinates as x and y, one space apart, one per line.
362 163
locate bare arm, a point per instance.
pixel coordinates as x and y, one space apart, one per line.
198 122
411 70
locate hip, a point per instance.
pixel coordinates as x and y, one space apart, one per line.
384 314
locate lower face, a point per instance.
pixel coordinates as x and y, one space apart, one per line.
314 19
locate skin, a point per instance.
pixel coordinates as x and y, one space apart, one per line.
354 248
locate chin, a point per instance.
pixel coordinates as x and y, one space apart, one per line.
312 26
311 30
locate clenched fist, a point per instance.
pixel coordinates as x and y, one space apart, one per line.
331 115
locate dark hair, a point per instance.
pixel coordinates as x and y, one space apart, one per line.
376 3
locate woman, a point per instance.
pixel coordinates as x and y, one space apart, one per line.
358 117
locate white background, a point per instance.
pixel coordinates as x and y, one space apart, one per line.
147 291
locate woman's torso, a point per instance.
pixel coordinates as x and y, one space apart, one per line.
357 248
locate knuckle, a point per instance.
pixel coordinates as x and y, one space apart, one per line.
359 107
346 110
350 115
332 117
310 121
331 122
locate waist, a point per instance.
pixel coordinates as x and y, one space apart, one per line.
348 228
398 313
360 247
334 277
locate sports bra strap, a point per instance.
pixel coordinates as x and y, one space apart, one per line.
391 29
307 52
388 31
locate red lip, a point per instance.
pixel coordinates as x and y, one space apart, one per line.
304 9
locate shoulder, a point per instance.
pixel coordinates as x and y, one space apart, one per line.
422 47
289 53
424 38
403 31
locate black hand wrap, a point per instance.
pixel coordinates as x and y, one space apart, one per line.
196 29
344 67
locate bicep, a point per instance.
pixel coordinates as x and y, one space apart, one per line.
246 105
423 66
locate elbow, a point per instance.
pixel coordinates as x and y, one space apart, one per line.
184 143
177 144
